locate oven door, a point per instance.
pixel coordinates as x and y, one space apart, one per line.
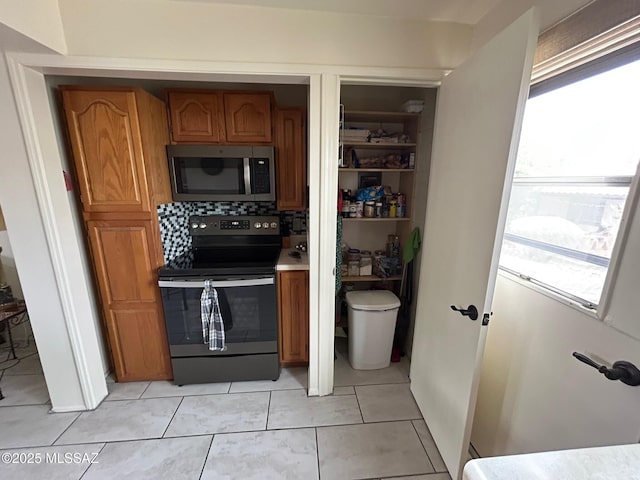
248 306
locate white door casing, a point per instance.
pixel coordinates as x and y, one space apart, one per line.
478 118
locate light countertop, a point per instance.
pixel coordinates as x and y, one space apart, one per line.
616 463
286 262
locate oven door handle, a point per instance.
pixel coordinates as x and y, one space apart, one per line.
249 282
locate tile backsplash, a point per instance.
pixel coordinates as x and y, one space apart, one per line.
174 219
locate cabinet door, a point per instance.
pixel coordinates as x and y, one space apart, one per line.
107 150
293 288
196 117
125 265
248 117
291 159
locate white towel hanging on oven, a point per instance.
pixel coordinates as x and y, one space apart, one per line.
212 323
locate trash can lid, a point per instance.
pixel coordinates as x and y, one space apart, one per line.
373 300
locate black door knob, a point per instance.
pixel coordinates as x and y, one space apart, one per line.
621 370
471 311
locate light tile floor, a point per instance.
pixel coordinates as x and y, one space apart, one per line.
369 429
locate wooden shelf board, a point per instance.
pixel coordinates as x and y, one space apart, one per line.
401 170
371 278
378 117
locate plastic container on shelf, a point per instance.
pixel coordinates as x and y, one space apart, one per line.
413 106
401 211
378 209
393 209
366 263
353 268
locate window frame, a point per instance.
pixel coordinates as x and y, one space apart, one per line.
566 76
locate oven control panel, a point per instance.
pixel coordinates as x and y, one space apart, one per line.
228 225
235 225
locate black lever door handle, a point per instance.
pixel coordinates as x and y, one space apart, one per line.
471 311
621 370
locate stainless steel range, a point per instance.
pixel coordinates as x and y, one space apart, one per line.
238 255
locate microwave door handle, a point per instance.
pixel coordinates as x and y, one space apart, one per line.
247 176
249 282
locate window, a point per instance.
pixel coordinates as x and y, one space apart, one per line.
579 150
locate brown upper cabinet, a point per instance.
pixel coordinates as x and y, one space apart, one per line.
196 117
248 117
117 148
291 159
225 117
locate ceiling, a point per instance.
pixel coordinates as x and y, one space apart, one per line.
462 11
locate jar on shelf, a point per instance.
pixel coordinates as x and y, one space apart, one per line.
353 210
370 209
365 263
359 209
378 209
353 268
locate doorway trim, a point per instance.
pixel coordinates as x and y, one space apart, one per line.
27 74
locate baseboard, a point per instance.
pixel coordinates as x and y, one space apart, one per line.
473 452
79 408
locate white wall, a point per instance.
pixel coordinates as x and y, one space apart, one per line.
36 19
204 31
551 11
534 396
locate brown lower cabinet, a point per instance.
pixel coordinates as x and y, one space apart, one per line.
293 317
126 257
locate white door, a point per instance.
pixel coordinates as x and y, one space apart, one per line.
478 117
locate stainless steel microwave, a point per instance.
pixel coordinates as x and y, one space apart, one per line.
221 173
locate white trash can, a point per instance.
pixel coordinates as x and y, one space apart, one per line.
372 323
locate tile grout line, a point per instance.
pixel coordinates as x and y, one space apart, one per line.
315 429
266 425
423 447
144 391
206 457
147 439
65 430
355 392
48 402
172 417
90 465
372 384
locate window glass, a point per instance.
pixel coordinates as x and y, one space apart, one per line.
579 150
587 128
